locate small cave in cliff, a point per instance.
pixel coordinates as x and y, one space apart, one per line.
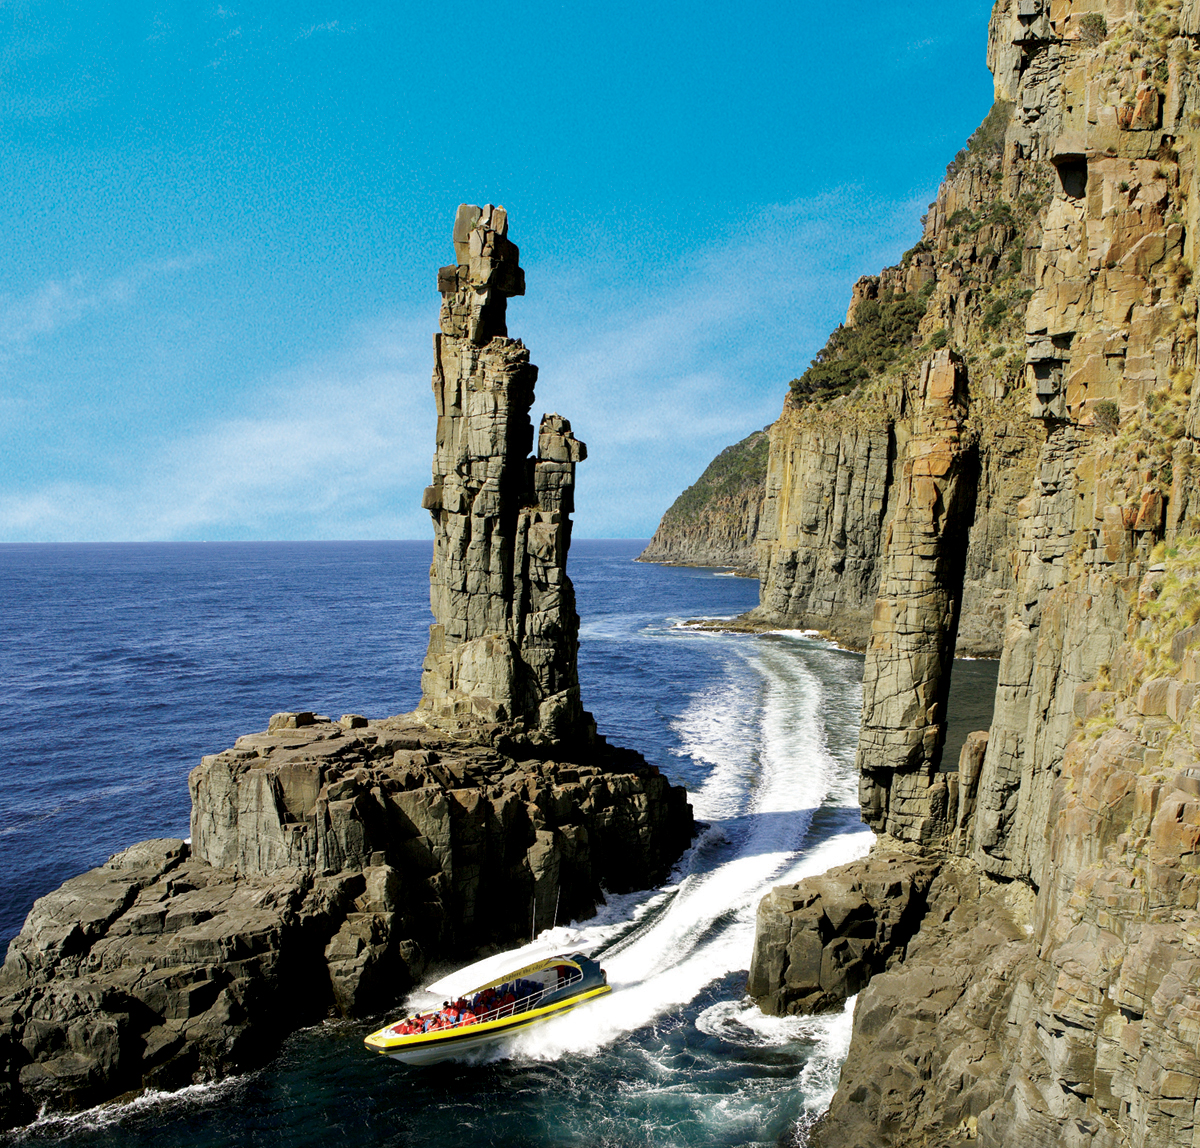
1073 175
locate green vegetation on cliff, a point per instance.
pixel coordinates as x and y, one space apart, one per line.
882 329
987 140
737 468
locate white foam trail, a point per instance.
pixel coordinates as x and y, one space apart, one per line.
770 771
106 1115
819 1077
760 735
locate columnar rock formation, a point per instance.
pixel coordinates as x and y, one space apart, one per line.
330 862
504 644
1049 993
837 469
825 506
906 679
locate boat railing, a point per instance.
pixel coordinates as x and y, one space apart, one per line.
521 1004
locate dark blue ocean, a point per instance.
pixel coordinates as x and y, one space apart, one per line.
122 664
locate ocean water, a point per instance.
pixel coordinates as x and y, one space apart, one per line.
123 664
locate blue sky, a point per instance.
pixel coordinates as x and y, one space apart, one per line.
217 283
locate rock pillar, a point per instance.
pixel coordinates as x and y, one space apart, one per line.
503 649
906 678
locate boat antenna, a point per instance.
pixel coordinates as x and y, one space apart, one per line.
533 916
557 898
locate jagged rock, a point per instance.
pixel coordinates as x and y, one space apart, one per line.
833 484
923 1067
331 861
327 868
152 971
1049 996
465 826
818 942
970 766
504 645
827 491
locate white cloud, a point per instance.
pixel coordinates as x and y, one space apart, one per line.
656 380
333 26
657 386
325 451
61 301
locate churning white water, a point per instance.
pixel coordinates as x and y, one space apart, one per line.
757 740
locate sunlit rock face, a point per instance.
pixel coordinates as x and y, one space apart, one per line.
906 678
1051 992
503 649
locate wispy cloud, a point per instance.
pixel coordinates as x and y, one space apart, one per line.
334 27
657 385
64 300
656 382
329 450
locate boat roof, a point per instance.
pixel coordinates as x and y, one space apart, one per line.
529 970
494 970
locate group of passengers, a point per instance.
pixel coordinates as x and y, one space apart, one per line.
452 1014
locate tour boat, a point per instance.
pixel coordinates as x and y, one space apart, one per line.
503 1006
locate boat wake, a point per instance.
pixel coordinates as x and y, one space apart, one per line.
777 804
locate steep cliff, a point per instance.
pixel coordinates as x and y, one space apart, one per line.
331 861
1049 993
842 451
715 522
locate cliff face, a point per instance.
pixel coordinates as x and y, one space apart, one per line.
842 452
715 522
1049 995
504 645
331 861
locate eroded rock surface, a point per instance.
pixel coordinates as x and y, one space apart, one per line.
929 1063
818 942
504 644
906 676
331 862
1050 994
328 867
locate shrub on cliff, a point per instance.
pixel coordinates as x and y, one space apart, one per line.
987 139
1107 416
883 328
1092 29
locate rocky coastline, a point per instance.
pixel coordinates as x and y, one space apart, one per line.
715 522
1021 477
331 862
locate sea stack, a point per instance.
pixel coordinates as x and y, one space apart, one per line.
331 861
503 649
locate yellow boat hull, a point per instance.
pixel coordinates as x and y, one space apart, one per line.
445 1044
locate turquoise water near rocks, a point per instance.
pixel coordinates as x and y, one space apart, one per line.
125 663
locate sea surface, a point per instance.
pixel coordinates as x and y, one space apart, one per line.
122 664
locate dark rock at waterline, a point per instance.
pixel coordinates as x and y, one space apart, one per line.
818 942
347 859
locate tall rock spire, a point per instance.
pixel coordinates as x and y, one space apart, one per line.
906 675
503 649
